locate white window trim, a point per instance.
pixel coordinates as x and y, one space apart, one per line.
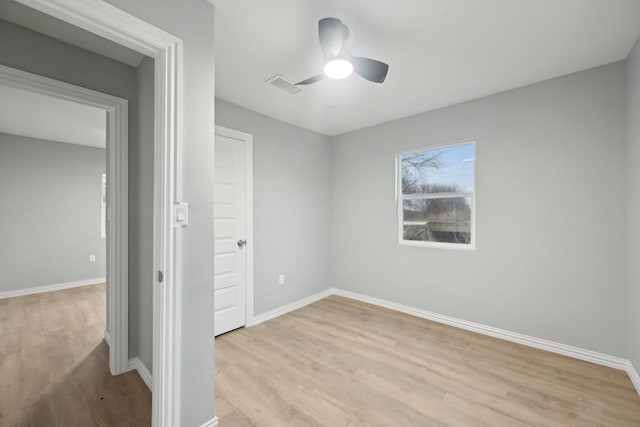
103 206
400 198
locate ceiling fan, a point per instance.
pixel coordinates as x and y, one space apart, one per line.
339 63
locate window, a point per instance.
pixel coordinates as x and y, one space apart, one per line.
436 197
103 207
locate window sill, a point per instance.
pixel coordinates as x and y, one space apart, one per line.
438 245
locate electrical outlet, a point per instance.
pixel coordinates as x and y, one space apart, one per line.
281 279
92 258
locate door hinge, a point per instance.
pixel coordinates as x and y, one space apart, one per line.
160 276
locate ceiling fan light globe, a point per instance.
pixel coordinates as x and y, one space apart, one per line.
338 69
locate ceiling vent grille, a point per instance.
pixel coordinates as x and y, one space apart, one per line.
281 83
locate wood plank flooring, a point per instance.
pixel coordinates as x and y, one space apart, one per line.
340 362
54 367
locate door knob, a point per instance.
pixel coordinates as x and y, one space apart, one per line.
241 243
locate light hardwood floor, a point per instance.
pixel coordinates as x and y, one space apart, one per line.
54 367
344 363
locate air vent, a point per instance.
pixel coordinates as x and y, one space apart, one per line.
281 83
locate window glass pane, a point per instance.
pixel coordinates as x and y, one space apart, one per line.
445 220
103 208
443 170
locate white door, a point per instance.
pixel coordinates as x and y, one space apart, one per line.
231 227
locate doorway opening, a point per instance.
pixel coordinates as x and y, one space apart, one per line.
112 24
65 149
38 89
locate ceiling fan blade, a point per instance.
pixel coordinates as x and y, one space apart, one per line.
310 80
370 69
332 34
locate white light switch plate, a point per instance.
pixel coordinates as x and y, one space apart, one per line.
182 214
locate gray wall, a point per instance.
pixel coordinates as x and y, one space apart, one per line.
291 186
550 212
51 209
141 216
33 52
193 22
36 53
632 156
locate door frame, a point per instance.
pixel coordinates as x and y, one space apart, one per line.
112 23
248 140
117 142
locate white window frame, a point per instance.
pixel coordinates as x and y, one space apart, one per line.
400 198
103 205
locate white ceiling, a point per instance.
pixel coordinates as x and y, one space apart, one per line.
34 115
52 27
440 52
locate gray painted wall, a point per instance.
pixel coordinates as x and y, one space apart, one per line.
632 156
33 52
550 212
51 210
36 53
193 22
141 216
291 185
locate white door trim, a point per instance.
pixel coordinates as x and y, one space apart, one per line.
248 139
108 21
117 196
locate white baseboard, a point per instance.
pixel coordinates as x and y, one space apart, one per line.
289 307
107 338
211 423
136 363
554 347
633 374
51 288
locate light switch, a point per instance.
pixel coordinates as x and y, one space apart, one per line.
182 214
92 258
